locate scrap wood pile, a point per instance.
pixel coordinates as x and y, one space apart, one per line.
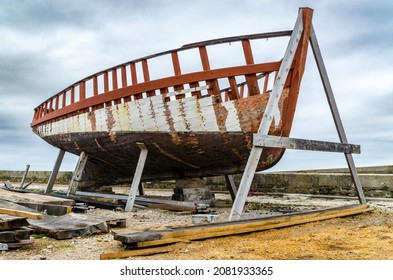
24 213
151 242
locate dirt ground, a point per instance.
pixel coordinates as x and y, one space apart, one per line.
368 236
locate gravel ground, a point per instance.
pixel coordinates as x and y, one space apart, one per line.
90 248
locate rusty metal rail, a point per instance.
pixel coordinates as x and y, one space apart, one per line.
131 80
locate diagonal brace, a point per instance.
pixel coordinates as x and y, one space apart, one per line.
256 152
335 113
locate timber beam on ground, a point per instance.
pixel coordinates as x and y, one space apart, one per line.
198 232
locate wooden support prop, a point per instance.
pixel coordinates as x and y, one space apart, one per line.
8 185
304 144
19 213
77 175
141 189
336 115
231 186
197 232
271 107
141 252
22 182
55 171
137 177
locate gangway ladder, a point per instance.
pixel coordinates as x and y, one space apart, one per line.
261 139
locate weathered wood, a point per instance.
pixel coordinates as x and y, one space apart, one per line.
141 252
136 180
11 222
70 225
141 201
8 185
10 236
231 186
14 209
269 114
22 182
55 171
20 213
50 209
27 197
304 144
335 113
78 172
152 238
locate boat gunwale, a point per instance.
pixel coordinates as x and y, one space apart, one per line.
154 84
218 41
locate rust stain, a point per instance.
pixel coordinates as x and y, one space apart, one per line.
110 121
250 111
99 145
76 145
92 118
172 131
183 114
192 140
165 153
221 117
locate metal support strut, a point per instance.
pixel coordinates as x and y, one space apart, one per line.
137 177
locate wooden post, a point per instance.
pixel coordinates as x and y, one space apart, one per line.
55 171
141 188
231 186
77 175
335 113
137 177
22 182
255 154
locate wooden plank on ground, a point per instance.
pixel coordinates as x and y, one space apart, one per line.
11 222
196 232
70 225
28 197
20 213
14 209
142 201
50 209
16 235
141 252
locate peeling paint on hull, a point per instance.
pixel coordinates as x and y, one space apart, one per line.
200 137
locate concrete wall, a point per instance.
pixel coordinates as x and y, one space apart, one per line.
41 177
376 181
374 185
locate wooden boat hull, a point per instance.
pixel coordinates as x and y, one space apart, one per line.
194 124
190 137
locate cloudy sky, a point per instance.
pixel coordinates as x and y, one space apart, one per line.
47 45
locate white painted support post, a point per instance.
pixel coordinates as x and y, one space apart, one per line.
77 175
335 113
231 186
55 171
137 177
255 154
